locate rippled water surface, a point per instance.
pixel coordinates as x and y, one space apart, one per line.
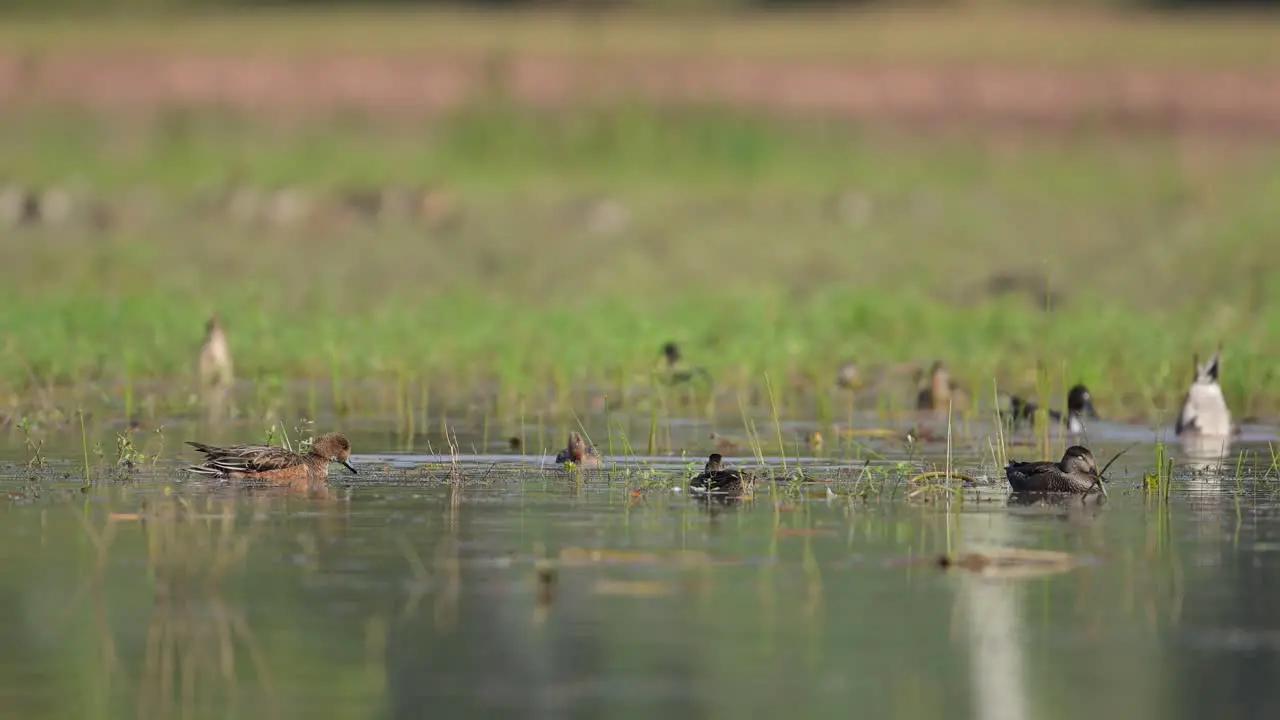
494 583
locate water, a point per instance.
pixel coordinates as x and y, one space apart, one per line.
523 591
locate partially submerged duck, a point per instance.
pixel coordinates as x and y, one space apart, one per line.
716 479
1204 410
1077 472
579 453
1079 406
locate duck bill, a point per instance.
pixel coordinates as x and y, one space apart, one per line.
348 466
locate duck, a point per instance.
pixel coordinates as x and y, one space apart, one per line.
1079 406
1204 409
848 376
716 479
941 391
579 453
1077 472
272 463
725 444
214 362
674 369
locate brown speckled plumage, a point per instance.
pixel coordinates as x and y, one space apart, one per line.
717 479
268 462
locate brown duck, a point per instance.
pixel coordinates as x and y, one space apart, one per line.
716 479
941 391
579 453
274 464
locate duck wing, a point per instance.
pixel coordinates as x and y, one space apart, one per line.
1031 468
716 481
1046 477
225 461
1031 476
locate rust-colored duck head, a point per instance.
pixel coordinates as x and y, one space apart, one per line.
333 448
578 452
577 447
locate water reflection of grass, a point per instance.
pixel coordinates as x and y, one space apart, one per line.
525 306
197 638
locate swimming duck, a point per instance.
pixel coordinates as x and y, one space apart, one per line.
1079 406
716 479
275 464
1204 410
579 453
1077 472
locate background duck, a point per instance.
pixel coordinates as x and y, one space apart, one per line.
941 391
1076 472
676 370
725 444
214 363
1079 406
1204 409
848 376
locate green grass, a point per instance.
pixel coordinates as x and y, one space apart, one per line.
1159 247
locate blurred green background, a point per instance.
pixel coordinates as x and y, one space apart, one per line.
542 196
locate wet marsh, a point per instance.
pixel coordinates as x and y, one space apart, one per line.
658 226
810 274
497 584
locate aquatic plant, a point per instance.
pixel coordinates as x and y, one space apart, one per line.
1160 480
34 446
